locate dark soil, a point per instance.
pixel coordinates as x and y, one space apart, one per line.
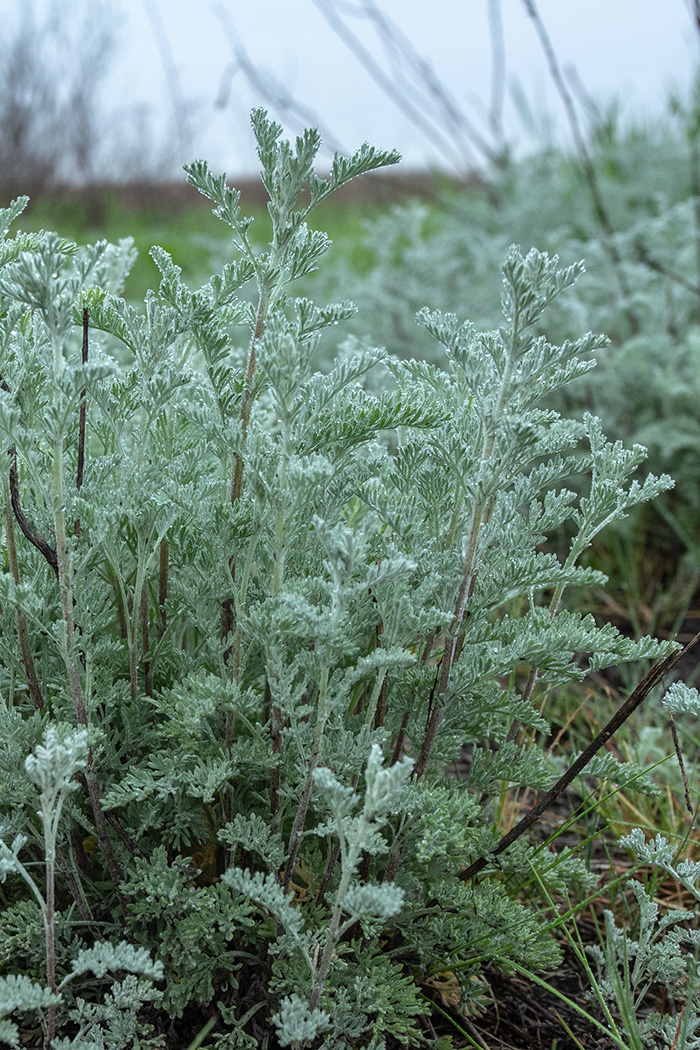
527 1017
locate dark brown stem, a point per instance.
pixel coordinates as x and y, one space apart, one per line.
276 723
429 740
119 600
41 545
227 621
74 888
401 738
666 271
393 865
145 640
332 861
435 713
303 807
428 648
81 421
133 672
681 765
298 827
363 873
103 835
76 689
24 644
380 713
230 730
163 586
651 679
114 822
451 653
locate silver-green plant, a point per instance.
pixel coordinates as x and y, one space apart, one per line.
52 767
664 949
279 601
628 967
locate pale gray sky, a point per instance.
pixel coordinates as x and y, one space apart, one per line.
633 49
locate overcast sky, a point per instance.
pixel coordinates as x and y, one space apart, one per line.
170 50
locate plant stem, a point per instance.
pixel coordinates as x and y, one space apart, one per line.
302 809
276 723
41 545
73 886
651 678
145 639
65 584
246 406
82 417
24 644
350 858
227 607
50 936
164 554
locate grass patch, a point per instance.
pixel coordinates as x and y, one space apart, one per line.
189 233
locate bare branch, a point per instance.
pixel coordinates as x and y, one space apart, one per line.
267 87
498 73
599 206
181 113
422 96
651 679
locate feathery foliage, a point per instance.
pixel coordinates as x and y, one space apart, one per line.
252 613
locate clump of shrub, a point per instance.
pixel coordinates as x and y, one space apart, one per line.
250 615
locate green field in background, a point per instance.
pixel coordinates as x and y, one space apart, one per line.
195 239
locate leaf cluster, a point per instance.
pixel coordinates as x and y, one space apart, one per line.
271 608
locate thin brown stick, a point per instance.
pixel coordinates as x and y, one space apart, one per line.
325 881
74 888
681 766
401 738
145 640
113 821
298 825
41 545
82 416
76 689
651 679
380 713
83 394
22 630
164 556
276 724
